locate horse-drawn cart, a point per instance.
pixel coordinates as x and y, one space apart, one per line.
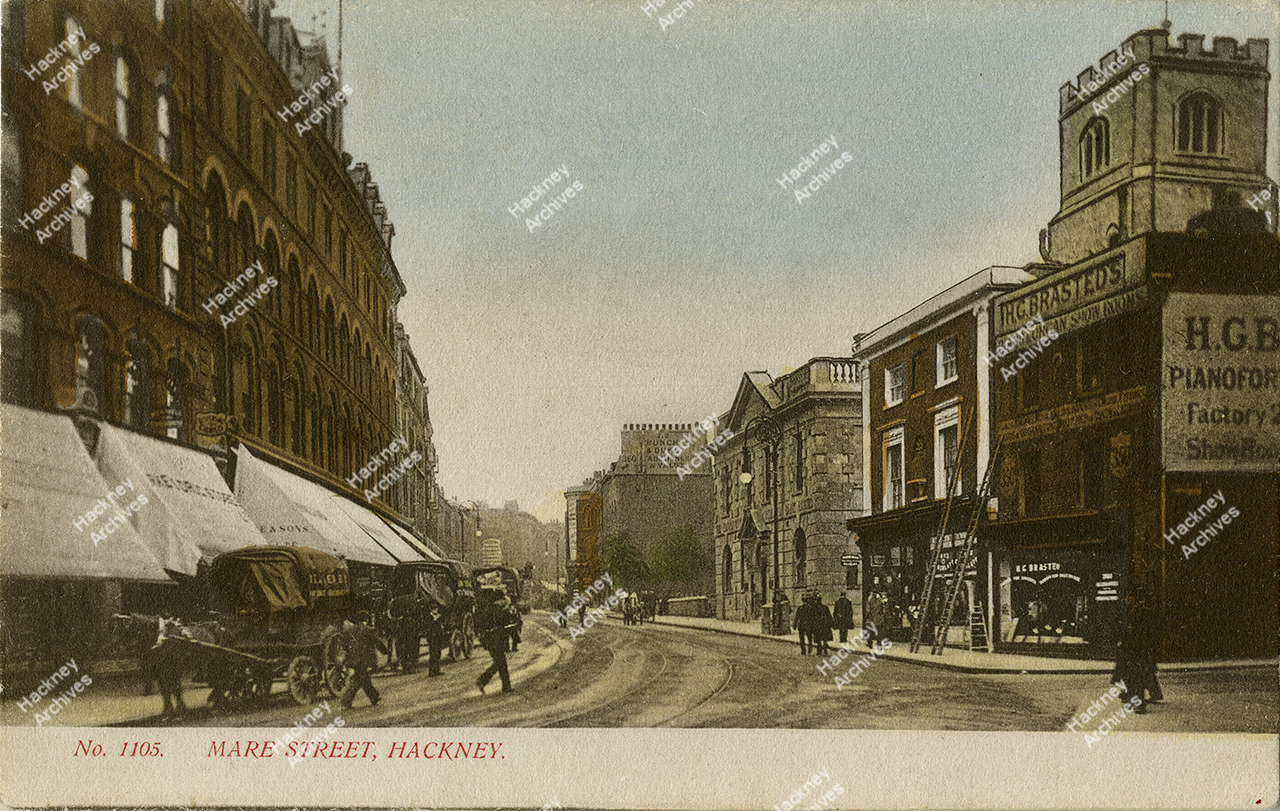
282 609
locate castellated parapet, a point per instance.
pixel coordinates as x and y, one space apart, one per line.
1152 45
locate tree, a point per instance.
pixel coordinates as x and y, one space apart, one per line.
623 562
678 558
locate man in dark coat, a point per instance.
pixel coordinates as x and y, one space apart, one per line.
803 623
362 643
821 624
403 612
491 627
844 616
437 637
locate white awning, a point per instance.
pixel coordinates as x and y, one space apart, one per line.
49 481
290 510
378 529
429 550
192 514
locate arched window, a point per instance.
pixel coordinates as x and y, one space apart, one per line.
274 405
73 83
137 384
76 235
128 238
270 268
294 295
248 243
1199 124
216 212
124 91
170 266
90 333
1095 147
166 123
802 558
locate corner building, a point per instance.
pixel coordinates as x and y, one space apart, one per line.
1161 276
172 127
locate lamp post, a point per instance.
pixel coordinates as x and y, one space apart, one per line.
766 425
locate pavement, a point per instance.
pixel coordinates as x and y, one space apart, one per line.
965 661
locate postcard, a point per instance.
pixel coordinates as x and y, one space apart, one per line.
639 404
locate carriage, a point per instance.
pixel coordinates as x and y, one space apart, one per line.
445 585
281 610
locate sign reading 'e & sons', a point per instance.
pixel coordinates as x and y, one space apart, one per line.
1220 396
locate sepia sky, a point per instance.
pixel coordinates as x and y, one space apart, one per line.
682 262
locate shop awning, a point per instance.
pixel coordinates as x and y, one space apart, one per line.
47 481
429 550
192 513
382 534
290 510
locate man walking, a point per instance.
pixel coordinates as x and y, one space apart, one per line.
436 637
403 613
822 624
361 644
491 627
844 616
803 623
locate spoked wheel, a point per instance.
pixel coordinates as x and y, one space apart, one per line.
337 650
455 645
305 679
468 635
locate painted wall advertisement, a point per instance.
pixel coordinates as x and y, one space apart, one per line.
1221 383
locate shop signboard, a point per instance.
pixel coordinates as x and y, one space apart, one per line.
1220 370
1073 298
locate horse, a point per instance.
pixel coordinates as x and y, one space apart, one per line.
163 658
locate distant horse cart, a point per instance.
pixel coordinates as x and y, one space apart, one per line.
281 611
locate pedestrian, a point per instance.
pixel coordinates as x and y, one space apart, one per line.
1134 670
362 643
843 616
491 627
405 640
437 637
514 622
803 623
822 623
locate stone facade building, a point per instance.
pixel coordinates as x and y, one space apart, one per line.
792 471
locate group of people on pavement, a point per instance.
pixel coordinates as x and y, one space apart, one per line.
497 625
815 622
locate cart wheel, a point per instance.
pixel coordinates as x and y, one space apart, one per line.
455 645
336 649
468 635
305 679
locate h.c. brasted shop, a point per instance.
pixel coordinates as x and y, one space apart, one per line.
1062 596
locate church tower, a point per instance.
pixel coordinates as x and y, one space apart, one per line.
1162 139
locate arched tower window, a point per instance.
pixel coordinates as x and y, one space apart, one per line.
1199 124
1095 147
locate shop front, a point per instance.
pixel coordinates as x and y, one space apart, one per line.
1061 584
896 553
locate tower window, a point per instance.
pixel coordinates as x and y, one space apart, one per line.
1095 147
1200 124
